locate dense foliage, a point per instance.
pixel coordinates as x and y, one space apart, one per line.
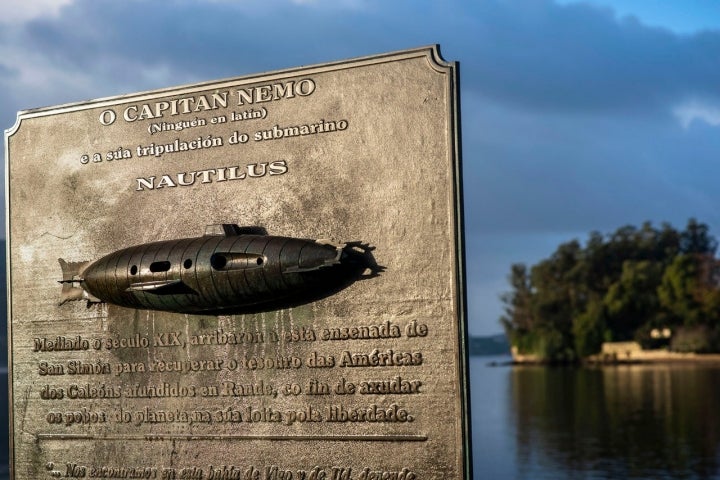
618 287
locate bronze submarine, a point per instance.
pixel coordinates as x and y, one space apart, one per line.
228 270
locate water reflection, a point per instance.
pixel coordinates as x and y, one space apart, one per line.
637 421
535 423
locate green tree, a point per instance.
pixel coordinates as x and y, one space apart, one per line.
518 318
678 291
689 290
696 239
632 300
589 330
617 287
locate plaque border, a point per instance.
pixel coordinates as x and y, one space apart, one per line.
435 60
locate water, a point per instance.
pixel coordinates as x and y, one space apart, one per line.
628 422
624 422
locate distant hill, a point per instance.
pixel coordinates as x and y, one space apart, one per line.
491 345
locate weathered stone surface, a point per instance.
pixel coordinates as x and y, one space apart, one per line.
368 379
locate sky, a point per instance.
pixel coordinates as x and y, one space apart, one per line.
577 116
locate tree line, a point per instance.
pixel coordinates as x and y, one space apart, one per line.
624 286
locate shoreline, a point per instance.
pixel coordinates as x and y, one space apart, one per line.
638 358
654 356
643 357
620 353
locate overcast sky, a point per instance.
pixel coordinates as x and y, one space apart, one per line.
576 115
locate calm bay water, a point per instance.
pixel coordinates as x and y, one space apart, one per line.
620 422
648 422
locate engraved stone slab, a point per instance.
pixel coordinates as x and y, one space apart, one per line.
325 341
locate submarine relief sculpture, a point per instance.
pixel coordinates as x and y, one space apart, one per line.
230 269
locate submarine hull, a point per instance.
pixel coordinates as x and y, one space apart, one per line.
221 274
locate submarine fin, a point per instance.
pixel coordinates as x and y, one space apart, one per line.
161 287
72 271
72 275
151 286
70 293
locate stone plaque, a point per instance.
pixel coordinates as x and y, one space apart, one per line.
257 278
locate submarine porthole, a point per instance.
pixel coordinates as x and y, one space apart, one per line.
161 266
218 262
133 270
187 263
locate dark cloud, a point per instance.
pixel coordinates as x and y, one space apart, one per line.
568 121
574 173
578 57
532 54
204 39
